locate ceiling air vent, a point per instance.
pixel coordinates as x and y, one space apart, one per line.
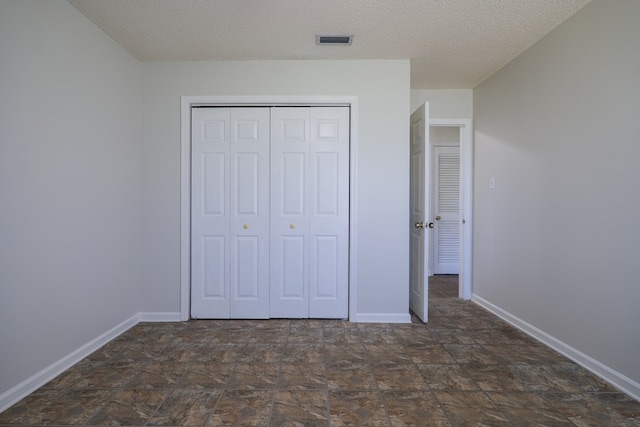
334 40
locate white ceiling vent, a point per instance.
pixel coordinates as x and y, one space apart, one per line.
334 40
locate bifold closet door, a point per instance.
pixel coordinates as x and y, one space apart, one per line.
309 233
230 213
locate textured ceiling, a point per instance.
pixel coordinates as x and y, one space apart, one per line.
451 43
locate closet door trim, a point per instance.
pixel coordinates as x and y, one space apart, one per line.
187 103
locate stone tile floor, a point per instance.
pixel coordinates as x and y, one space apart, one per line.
464 368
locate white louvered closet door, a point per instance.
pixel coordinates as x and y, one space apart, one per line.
230 213
447 209
309 212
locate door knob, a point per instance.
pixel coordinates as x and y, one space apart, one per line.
418 225
438 218
431 225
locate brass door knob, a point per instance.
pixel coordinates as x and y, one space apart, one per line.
438 218
431 225
246 226
292 226
418 225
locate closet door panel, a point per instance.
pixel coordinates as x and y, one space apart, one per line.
246 274
249 219
213 268
210 213
292 184
292 268
326 179
329 212
245 183
289 285
325 267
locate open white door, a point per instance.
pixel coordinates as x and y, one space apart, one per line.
420 224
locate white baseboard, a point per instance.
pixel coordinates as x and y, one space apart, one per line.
381 318
615 378
28 386
159 317
31 384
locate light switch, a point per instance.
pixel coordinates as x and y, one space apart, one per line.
492 183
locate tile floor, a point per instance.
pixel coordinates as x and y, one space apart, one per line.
465 367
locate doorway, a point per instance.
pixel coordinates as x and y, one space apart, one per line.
421 220
444 240
450 142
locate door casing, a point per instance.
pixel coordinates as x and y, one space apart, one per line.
187 102
466 211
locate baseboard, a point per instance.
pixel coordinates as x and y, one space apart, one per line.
381 318
615 378
36 381
159 316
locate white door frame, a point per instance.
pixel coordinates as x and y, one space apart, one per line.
186 103
466 211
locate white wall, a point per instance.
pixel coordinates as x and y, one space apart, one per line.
69 185
556 244
382 88
444 103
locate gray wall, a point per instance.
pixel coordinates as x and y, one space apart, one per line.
557 243
69 185
382 157
444 103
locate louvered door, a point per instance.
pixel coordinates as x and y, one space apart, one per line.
447 210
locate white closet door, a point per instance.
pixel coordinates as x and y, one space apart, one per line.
289 286
270 212
309 212
230 214
210 212
249 222
328 210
